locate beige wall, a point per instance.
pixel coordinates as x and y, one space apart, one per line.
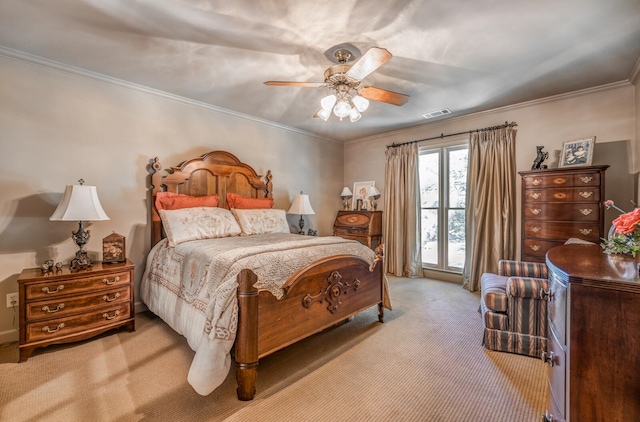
57 127
609 113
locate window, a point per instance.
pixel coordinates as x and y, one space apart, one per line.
443 183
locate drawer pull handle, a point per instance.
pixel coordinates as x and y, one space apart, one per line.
535 211
46 328
110 299
536 182
51 311
535 195
586 194
535 247
107 282
585 232
586 211
549 358
586 179
535 229
49 292
115 315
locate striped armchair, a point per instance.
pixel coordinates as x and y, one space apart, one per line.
514 313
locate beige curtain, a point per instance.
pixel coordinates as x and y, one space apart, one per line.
402 212
490 211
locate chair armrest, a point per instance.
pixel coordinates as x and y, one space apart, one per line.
509 268
527 287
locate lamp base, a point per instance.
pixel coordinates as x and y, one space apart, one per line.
81 261
301 225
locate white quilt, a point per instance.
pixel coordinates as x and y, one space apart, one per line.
193 288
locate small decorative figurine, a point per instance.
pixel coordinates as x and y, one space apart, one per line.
312 232
47 267
540 157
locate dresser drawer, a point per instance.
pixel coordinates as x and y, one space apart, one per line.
357 231
557 309
568 180
562 230
587 194
561 212
76 285
67 305
538 248
60 327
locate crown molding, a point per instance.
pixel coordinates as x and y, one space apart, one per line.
418 129
51 64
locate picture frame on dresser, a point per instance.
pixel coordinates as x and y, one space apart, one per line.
578 152
360 193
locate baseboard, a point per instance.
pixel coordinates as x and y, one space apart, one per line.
9 336
140 307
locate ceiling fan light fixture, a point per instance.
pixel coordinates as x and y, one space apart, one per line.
360 103
324 114
328 102
355 115
342 109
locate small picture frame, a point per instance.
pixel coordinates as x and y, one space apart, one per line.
578 152
113 248
360 194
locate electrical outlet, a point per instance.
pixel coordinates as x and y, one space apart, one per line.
12 300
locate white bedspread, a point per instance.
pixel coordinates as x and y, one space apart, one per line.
193 288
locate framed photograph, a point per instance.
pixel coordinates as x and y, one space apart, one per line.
360 200
113 248
578 152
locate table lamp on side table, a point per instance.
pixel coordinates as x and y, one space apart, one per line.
301 206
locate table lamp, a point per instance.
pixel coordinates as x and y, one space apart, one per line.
302 206
80 203
346 195
373 194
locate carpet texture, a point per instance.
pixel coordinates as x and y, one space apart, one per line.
425 363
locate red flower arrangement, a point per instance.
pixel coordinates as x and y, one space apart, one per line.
626 238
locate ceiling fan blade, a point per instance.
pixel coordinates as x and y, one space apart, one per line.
369 62
304 84
378 94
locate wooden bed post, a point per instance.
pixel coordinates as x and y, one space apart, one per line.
246 347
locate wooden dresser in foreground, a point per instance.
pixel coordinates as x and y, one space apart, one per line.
67 306
594 336
558 204
365 226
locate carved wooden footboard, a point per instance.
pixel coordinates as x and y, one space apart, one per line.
317 297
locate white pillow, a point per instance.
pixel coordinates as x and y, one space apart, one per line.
198 223
261 221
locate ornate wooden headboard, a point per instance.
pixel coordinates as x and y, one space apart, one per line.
216 172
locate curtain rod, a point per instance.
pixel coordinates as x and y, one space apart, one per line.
506 124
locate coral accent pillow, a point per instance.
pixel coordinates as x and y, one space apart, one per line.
176 201
261 221
196 223
244 202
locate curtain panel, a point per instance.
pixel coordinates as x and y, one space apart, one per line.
402 230
490 210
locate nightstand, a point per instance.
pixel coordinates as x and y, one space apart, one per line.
365 226
65 306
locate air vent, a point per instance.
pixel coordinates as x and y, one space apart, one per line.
437 113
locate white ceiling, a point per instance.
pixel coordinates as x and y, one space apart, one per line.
465 55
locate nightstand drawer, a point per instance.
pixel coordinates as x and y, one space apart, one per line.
68 305
61 327
357 231
76 285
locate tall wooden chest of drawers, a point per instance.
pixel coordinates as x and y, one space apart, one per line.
594 347
558 204
365 226
67 306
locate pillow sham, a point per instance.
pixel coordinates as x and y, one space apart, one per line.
196 223
244 202
261 221
176 201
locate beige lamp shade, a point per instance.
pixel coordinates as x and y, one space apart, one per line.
346 192
301 205
79 203
372 191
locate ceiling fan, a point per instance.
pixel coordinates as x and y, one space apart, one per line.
349 97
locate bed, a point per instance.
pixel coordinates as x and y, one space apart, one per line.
245 294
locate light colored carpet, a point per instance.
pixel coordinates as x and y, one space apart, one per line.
426 363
